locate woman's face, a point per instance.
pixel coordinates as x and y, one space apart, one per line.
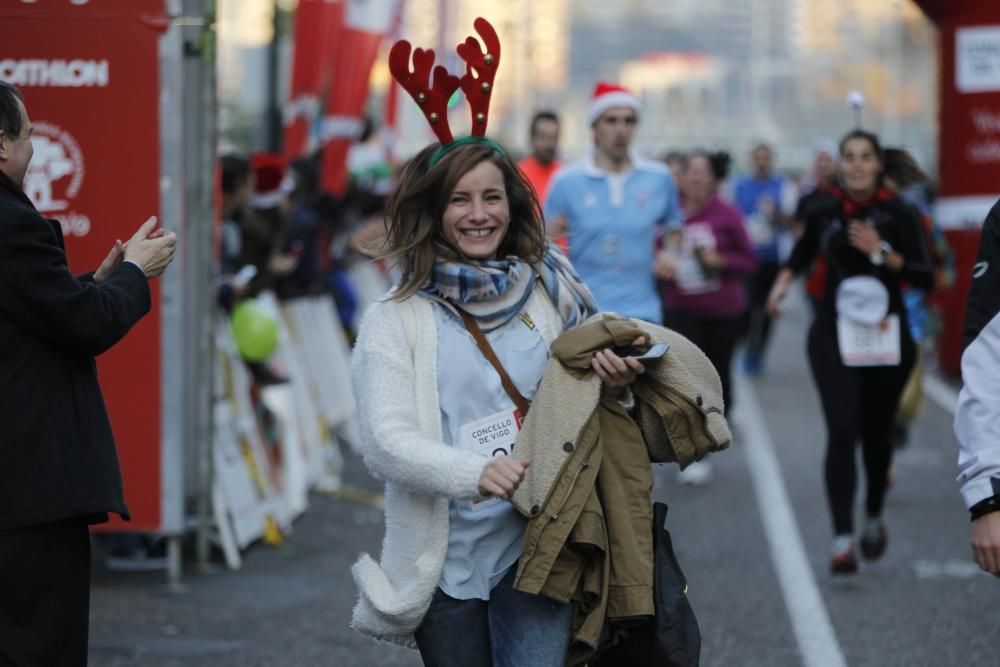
477 216
698 183
859 165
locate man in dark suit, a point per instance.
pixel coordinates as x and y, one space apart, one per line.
58 465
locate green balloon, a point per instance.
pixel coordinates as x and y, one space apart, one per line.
255 331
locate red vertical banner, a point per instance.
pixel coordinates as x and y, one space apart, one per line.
365 25
969 144
90 79
316 25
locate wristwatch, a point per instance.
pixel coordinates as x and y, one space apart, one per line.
878 256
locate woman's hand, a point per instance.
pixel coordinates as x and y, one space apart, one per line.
664 265
501 476
616 372
710 258
778 291
863 236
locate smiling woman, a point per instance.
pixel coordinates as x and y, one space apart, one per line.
473 203
444 369
860 347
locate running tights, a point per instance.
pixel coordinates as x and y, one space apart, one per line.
858 404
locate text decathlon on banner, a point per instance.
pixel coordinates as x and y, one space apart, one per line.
55 73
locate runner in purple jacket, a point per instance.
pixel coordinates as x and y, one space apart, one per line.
712 254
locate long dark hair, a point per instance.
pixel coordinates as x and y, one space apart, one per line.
718 162
900 166
413 232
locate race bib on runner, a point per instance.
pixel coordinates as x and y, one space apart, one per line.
760 230
690 277
495 435
869 344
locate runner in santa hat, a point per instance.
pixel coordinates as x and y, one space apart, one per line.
266 222
613 205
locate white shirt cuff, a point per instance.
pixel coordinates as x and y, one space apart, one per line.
137 264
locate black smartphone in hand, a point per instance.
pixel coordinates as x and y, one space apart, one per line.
643 353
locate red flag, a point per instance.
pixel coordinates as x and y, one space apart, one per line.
365 24
316 25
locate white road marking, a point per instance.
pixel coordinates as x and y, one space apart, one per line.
940 393
948 569
811 624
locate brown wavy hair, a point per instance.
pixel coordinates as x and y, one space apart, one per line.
413 232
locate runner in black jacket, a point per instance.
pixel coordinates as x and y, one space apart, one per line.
977 419
861 230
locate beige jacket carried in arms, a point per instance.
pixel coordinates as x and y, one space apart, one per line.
589 540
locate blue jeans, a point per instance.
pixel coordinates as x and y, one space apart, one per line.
511 629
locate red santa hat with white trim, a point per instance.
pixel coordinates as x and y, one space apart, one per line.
609 96
271 181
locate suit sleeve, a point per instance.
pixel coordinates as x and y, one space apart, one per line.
977 416
41 295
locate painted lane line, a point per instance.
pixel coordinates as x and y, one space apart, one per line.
811 624
944 396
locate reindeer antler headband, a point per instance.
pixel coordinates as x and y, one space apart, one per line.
432 98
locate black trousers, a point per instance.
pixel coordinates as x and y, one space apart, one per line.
858 404
45 594
716 336
758 322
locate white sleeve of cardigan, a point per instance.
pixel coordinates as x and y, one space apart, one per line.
385 385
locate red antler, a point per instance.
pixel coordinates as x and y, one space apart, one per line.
477 88
433 99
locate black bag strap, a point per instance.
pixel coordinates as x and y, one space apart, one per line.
484 346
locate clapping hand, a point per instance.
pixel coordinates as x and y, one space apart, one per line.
152 249
115 257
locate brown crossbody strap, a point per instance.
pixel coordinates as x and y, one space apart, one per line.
484 346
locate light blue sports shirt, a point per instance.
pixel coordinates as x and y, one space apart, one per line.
613 221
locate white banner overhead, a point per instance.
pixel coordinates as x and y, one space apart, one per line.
374 16
977 59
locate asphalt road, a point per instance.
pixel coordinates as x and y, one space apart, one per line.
924 604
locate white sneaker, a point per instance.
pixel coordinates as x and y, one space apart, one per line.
698 473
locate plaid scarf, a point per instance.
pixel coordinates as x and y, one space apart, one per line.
494 291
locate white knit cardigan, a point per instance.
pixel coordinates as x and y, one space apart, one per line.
394 370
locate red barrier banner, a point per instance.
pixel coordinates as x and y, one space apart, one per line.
365 25
969 144
90 78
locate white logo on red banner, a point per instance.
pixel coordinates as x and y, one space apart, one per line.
55 176
55 73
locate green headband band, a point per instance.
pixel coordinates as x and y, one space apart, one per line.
463 141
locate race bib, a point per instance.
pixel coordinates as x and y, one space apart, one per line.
690 277
760 229
495 435
869 344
